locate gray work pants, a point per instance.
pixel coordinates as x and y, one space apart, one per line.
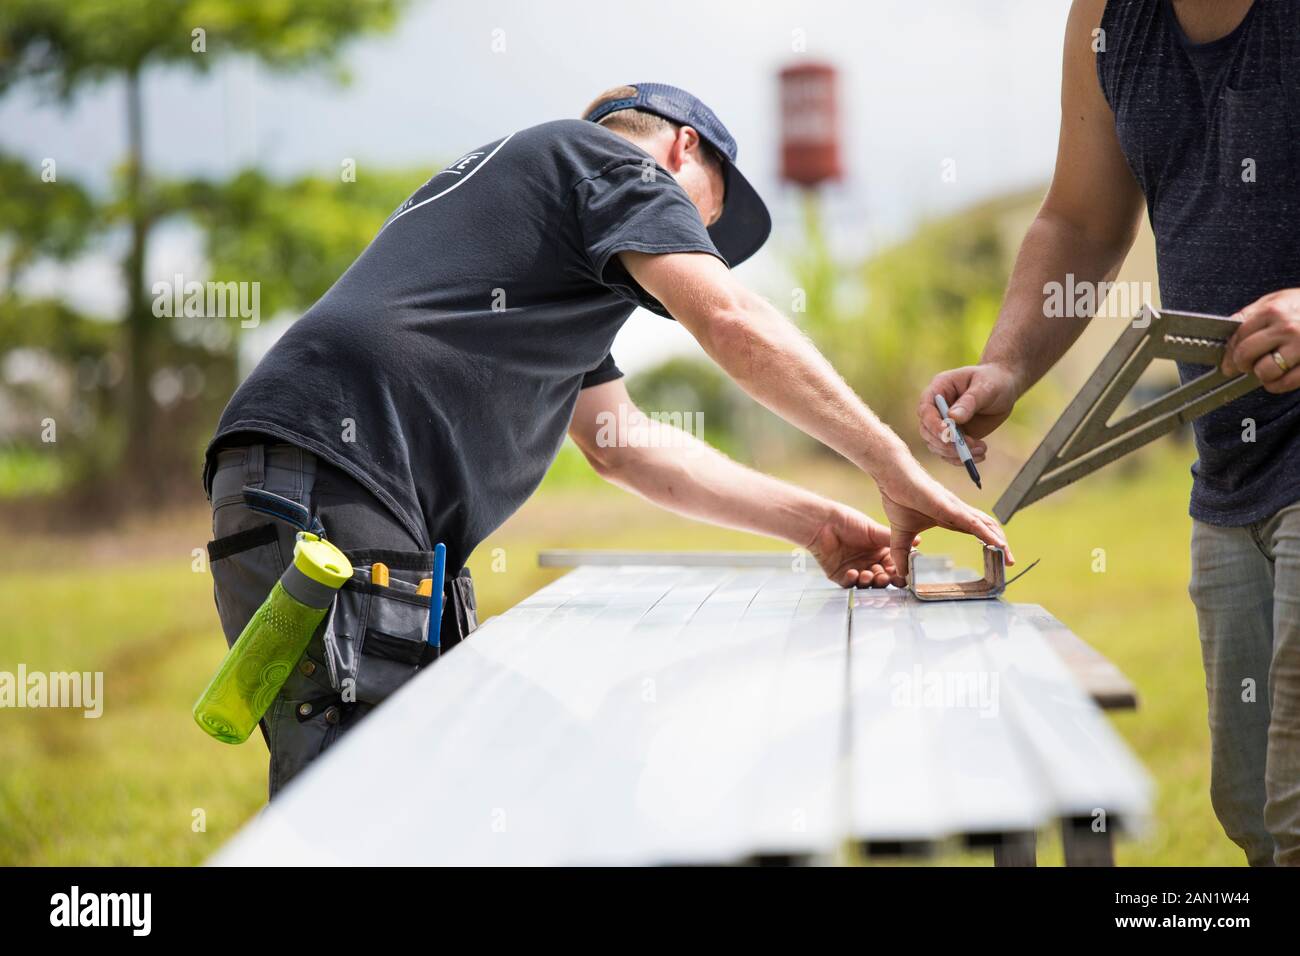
373 640
1246 588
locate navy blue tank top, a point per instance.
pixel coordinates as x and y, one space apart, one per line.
1209 130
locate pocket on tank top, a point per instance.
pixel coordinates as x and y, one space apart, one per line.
1257 151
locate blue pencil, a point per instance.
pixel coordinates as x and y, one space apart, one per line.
435 603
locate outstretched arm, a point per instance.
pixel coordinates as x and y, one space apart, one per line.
780 368
680 473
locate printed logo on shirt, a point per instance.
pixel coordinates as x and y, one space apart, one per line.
449 178
462 165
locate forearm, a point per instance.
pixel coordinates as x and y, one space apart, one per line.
682 474
776 364
1027 340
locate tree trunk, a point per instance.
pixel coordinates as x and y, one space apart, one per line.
139 325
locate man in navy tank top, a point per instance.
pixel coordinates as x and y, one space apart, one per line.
1188 111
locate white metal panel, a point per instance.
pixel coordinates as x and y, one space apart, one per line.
624 715
934 754
801 771
1087 767
660 714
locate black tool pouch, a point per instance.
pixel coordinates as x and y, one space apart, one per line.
460 617
376 637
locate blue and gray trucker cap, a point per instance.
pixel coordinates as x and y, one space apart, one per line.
745 223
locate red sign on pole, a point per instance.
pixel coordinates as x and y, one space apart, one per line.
810 136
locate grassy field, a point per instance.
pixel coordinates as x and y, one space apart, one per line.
141 785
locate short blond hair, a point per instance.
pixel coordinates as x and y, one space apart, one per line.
634 122
630 121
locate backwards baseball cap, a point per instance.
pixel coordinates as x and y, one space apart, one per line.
745 223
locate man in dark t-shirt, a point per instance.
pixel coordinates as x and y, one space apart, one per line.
423 397
1190 111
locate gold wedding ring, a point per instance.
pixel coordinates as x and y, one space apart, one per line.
1282 363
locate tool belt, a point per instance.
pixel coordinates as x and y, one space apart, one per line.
375 635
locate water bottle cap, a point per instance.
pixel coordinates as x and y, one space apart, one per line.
321 561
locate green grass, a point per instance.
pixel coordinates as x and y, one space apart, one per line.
123 789
30 471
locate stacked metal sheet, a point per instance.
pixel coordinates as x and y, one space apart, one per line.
712 714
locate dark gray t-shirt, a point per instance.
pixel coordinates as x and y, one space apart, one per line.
1188 117
442 369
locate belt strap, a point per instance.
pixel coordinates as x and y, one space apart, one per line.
277 506
267 502
255 465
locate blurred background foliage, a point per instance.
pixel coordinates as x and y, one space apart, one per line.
139 391
139 395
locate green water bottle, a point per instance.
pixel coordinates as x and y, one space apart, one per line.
273 641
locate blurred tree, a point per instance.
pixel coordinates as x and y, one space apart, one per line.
298 236
39 222
63 48
928 303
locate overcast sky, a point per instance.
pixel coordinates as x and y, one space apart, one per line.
973 81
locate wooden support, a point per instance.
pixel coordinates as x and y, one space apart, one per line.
1085 846
1017 849
1081 844
1099 677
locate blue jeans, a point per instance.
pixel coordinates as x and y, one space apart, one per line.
1246 588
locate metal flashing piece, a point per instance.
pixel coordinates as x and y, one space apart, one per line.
1084 438
991 585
